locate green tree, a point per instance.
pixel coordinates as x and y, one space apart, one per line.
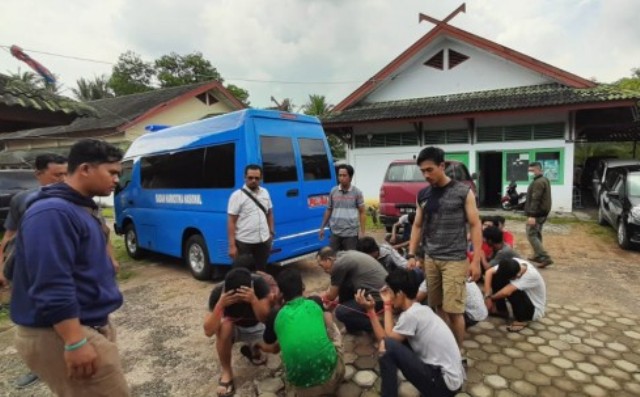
90 90
630 83
318 106
131 75
174 70
240 93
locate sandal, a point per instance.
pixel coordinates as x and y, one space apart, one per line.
249 353
517 326
229 388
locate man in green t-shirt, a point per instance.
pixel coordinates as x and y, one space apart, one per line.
307 338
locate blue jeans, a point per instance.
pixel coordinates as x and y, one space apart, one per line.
354 317
426 378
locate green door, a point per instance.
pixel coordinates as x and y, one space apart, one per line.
462 157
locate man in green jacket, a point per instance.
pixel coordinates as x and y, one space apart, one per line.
537 208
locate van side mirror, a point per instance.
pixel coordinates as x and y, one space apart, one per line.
474 175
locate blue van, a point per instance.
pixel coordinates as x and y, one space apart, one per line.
176 182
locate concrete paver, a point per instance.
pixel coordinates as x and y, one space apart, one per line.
570 352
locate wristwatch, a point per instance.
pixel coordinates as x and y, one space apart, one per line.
487 296
411 256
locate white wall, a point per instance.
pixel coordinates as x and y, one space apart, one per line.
371 163
482 71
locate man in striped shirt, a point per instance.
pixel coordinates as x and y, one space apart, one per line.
345 212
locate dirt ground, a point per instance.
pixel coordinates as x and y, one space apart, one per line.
165 352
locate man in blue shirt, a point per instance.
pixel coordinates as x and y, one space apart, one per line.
64 286
50 169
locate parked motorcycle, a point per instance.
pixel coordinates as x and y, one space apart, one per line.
513 200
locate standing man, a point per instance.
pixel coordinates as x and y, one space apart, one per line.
345 213
431 361
537 208
250 227
64 286
50 169
350 271
442 212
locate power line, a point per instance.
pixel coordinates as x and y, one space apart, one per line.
61 55
246 80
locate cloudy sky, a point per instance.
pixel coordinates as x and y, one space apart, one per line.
293 48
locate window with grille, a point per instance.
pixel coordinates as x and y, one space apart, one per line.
388 139
525 132
446 136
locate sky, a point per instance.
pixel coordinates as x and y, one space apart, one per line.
293 48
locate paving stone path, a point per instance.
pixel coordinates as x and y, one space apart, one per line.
570 352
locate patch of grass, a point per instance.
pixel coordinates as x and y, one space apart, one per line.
107 212
4 313
600 231
370 226
570 220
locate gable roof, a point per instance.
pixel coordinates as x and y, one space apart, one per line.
120 113
14 92
559 75
536 96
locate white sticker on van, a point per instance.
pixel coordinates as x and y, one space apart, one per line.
193 199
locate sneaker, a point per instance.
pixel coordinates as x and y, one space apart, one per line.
545 264
26 380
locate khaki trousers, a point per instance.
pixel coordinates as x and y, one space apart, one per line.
43 352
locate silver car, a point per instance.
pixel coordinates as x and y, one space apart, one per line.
604 168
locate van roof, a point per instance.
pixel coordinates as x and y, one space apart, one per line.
196 133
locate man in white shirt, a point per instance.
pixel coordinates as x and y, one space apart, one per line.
474 309
520 283
250 226
432 363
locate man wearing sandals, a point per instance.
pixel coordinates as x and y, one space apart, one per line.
307 338
419 344
518 282
238 308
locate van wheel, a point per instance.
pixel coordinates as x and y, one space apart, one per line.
196 257
131 242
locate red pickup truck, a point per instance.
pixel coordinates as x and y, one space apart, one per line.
402 182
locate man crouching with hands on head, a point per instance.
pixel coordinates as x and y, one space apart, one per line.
238 308
432 363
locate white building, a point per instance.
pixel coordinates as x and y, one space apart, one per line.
489 106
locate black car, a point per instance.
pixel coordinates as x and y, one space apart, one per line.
11 183
620 207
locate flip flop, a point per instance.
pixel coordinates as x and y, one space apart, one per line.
517 326
248 352
230 388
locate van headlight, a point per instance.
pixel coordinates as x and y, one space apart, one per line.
635 214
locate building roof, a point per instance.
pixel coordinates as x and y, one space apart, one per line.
14 92
556 74
119 113
538 96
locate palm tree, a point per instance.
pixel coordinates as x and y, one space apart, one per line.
90 90
26 77
317 106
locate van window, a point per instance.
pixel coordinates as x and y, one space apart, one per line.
125 175
315 162
278 159
191 169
